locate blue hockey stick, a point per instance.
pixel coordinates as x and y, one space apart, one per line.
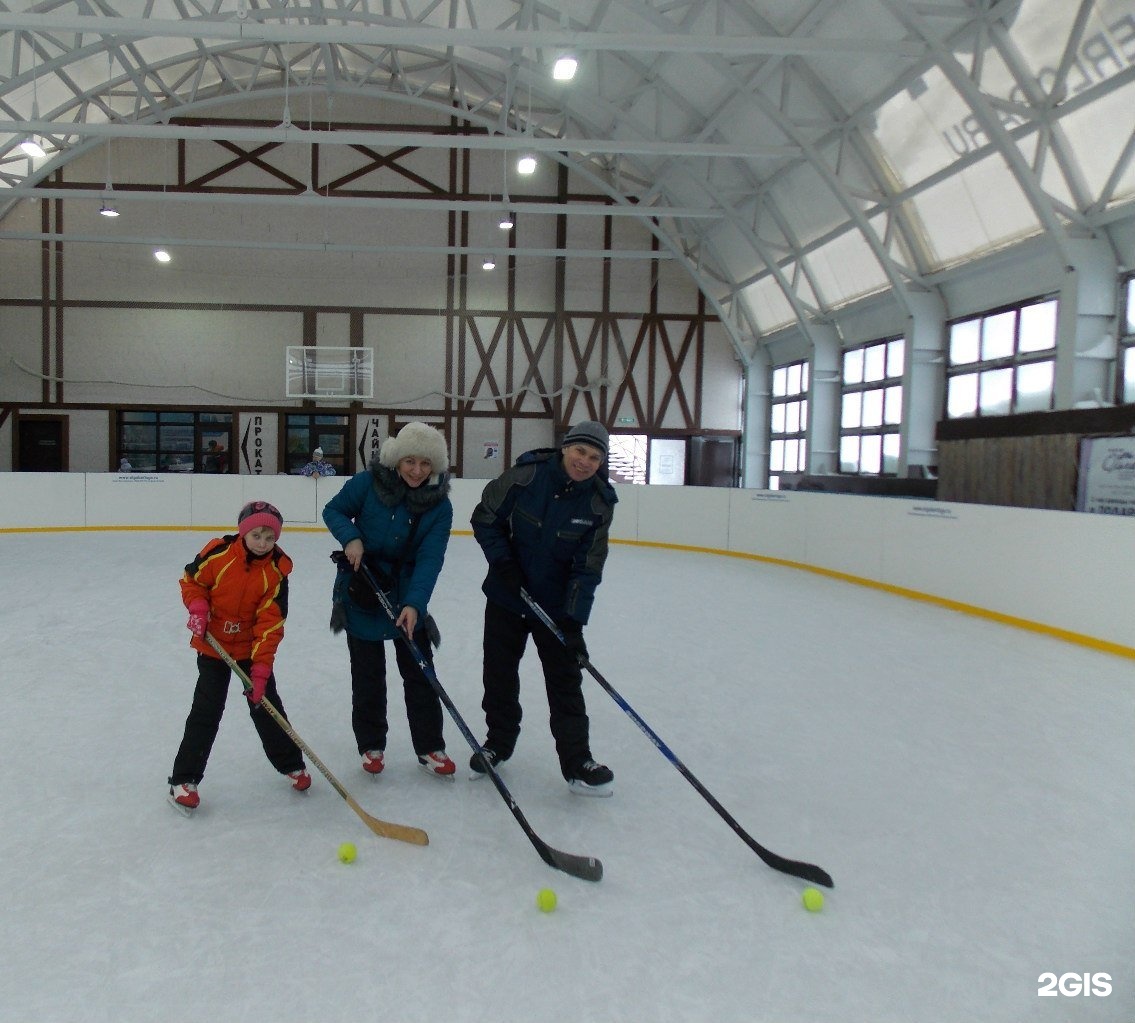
588 868
806 871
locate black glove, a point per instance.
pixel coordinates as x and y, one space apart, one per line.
510 576
573 638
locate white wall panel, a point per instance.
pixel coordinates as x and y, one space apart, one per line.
1054 570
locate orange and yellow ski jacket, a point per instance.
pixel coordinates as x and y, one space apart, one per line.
247 596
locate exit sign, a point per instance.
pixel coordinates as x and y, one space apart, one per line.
626 420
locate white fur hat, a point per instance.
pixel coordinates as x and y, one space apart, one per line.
420 440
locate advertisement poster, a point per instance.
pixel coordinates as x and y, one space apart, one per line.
1107 476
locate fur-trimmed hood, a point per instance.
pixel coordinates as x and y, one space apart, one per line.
392 491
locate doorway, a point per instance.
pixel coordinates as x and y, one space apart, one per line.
41 443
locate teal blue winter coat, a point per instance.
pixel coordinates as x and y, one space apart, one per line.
378 508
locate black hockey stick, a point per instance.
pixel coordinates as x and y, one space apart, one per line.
806 871
588 868
385 829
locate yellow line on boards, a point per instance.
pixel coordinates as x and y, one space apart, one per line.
1066 635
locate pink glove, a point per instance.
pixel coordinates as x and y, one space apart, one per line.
198 617
259 678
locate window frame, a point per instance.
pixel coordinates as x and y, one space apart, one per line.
798 402
1125 350
172 428
887 433
1001 369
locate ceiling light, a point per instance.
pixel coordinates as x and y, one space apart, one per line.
108 209
526 164
489 263
564 68
506 221
162 255
32 148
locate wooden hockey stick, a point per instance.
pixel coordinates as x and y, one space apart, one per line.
384 829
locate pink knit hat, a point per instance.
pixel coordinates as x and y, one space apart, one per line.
260 513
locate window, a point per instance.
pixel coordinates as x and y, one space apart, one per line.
305 433
1125 378
788 422
153 441
626 458
1002 362
636 458
871 407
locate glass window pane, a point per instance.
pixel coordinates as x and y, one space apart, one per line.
1034 387
1038 327
803 414
873 408
892 406
779 382
961 396
853 366
139 438
1129 376
896 357
849 454
791 455
177 417
1131 306
891 453
139 417
804 371
792 417
776 456
871 453
776 420
996 392
216 417
793 383
874 363
176 438
214 456
997 335
965 342
851 415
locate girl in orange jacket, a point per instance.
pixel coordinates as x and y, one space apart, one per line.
236 590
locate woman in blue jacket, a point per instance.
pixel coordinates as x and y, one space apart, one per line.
543 526
396 516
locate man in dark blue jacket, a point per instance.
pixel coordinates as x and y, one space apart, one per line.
543 526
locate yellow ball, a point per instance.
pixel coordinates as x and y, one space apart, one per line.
348 852
546 900
813 900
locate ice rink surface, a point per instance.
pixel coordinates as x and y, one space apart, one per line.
970 787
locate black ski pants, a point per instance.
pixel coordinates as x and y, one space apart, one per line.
204 721
506 636
368 694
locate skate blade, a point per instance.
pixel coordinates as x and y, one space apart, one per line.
185 811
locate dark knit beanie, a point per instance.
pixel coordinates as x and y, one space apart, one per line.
588 432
